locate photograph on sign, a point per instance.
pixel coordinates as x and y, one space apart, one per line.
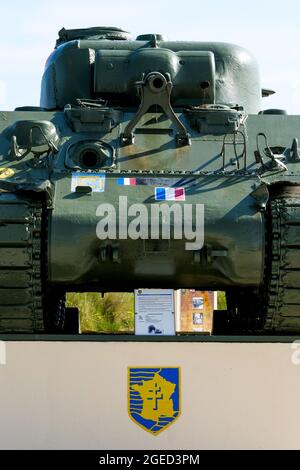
154 312
198 302
197 318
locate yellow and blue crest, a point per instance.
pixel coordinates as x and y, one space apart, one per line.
154 397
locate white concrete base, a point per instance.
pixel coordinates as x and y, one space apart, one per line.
57 395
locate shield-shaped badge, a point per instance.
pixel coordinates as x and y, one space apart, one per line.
154 397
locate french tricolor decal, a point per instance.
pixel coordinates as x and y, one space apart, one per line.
169 194
126 181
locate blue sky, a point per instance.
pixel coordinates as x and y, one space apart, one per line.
269 30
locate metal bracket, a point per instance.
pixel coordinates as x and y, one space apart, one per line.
155 89
243 154
216 118
92 116
295 151
109 253
214 252
261 195
275 160
16 152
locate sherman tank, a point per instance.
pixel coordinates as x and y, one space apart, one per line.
129 130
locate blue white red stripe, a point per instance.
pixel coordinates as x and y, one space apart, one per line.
127 181
169 194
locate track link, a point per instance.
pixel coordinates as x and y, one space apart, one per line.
20 265
283 303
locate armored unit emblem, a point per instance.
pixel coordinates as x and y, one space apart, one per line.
154 397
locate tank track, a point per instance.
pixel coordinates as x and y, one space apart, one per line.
283 298
20 265
275 306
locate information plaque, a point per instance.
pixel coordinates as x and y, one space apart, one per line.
154 312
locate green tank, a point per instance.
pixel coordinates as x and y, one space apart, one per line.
149 163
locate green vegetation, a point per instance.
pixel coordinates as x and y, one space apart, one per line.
112 313
222 305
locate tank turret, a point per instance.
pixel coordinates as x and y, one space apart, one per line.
105 63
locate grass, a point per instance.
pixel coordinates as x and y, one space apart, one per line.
222 305
112 313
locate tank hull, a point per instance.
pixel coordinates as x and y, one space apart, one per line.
233 237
